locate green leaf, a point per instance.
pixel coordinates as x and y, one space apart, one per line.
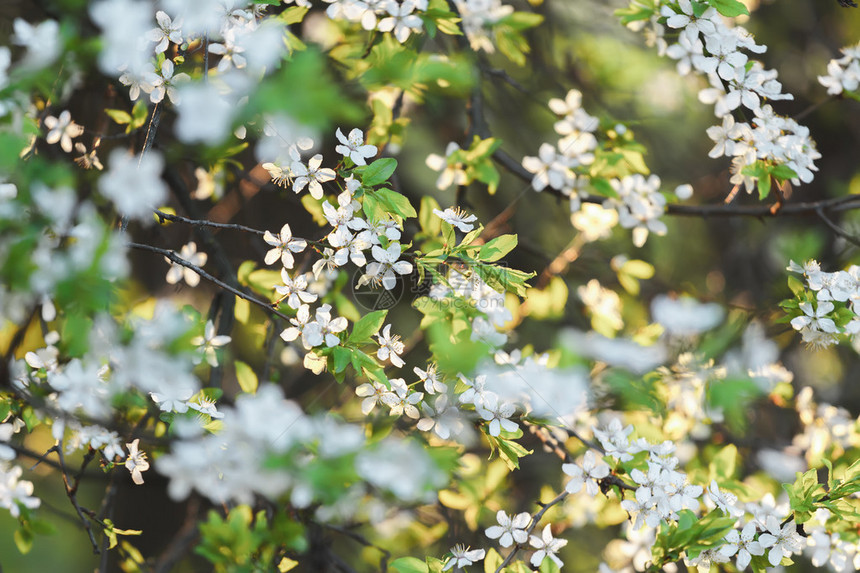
119 116
264 280
504 279
246 377
23 540
764 186
729 8
139 113
497 248
430 223
341 358
379 171
783 172
293 15
603 187
395 203
372 207
722 467
522 20
448 234
471 236
485 171
409 565
492 561
633 13
802 494
367 326
314 208
482 148
511 452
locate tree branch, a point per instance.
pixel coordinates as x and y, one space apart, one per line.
837 229
176 259
535 519
72 491
847 203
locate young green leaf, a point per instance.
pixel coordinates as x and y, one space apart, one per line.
379 171
367 326
246 377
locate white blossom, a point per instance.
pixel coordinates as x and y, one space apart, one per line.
353 146
546 546
134 183
511 529
62 130
179 272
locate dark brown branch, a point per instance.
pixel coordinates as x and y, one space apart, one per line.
72 492
386 555
40 459
846 203
162 216
174 258
837 229
183 539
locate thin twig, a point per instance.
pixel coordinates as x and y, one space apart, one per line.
535 519
174 258
183 539
846 203
154 121
386 555
837 229
162 216
72 493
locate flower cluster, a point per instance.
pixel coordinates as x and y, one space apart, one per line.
843 74
555 164
397 17
478 18
816 316
234 463
636 202
707 46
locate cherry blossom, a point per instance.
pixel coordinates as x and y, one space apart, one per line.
134 183
311 175
62 130
546 546
449 174
781 540
354 147
743 545
591 471
294 290
382 270
511 529
168 30
208 343
461 556
179 272
390 347
457 218
284 246
136 462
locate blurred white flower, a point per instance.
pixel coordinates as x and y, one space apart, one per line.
685 316
134 183
178 272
